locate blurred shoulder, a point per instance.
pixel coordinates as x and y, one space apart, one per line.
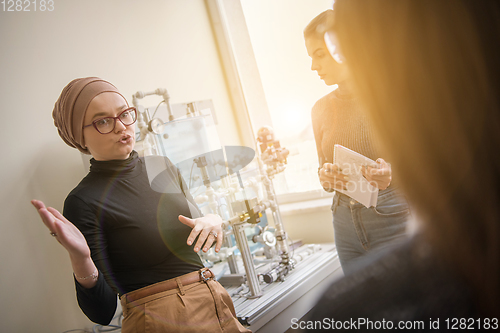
404 283
324 104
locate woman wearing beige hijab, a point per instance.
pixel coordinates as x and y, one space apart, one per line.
125 238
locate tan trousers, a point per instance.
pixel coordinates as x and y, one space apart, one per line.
197 307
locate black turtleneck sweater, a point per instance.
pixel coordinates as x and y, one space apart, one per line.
133 232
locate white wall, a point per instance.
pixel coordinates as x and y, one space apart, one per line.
135 45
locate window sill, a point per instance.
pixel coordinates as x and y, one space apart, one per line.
306 205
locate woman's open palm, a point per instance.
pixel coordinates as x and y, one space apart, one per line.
66 233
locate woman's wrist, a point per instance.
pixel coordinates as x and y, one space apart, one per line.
85 271
80 260
92 276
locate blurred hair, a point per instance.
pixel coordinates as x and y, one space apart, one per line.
428 73
319 25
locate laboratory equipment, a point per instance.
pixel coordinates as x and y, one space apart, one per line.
235 182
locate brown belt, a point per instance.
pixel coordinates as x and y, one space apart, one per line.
203 274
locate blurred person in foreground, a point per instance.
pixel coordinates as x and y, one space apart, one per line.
427 73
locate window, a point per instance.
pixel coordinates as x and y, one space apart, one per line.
290 87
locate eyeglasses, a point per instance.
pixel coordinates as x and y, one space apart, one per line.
107 124
332 46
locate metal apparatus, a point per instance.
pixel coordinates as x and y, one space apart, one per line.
147 124
246 211
236 183
262 270
273 161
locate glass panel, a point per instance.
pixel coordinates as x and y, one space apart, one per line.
291 88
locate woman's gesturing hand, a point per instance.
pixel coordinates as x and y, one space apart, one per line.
380 175
207 228
65 232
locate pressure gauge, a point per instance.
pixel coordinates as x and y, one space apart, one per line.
156 126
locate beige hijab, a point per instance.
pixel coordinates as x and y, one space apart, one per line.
69 110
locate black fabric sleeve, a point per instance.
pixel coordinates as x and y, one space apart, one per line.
98 303
187 193
176 174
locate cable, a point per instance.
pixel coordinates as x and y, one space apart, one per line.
98 328
220 208
157 108
195 193
190 175
109 328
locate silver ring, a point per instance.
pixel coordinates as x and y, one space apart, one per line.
53 234
213 234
